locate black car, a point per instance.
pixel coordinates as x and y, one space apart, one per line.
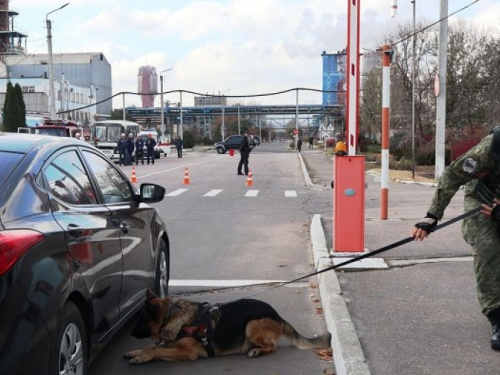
79 245
233 142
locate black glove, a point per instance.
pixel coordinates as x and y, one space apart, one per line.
428 224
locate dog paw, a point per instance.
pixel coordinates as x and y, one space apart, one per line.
252 353
139 360
131 354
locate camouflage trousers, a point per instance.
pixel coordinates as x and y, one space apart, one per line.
481 233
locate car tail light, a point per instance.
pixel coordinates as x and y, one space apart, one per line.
15 243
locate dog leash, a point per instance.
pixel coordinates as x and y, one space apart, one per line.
371 253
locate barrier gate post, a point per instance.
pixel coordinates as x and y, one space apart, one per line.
349 204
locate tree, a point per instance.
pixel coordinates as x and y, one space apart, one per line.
473 89
18 91
188 139
14 110
117 114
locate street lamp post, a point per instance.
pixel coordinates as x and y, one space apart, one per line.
52 100
161 101
413 96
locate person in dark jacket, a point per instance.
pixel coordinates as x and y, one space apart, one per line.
178 145
150 148
130 149
245 150
122 149
139 150
299 144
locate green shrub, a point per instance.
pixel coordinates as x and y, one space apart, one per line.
188 139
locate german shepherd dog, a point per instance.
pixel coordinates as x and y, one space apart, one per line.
185 330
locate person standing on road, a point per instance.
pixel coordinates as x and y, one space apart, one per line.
122 149
299 144
150 149
139 150
78 136
130 149
311 141
479 170
245 150
178 145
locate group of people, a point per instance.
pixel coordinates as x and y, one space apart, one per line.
127 145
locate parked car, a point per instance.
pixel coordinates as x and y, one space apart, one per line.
256 140
159 148
79 246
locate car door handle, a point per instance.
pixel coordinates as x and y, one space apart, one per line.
75 230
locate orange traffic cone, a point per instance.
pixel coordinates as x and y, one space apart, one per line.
249 178
186 177
133 178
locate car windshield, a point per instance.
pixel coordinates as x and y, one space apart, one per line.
8 161
56 132
114 132
108 133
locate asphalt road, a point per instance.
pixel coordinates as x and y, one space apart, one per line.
230 241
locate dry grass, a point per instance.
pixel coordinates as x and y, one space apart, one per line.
422 173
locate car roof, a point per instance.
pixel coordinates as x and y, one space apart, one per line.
23 142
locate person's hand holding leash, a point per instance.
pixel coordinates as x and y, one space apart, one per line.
423 228
492 211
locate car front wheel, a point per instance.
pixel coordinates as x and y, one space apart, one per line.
220 150
162 271
69 354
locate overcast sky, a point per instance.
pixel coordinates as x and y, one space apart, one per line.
235 47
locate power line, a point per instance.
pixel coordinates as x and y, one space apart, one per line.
435 23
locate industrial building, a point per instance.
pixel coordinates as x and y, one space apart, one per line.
81 80
334 77
147 85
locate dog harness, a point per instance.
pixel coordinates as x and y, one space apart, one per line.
202 328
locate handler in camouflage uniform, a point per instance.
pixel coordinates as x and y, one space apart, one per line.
479 171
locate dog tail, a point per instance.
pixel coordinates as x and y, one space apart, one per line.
303 342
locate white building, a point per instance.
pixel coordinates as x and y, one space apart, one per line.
80 79
70 100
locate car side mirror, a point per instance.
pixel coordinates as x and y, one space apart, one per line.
151 193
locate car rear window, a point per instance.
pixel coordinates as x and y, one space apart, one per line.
8 161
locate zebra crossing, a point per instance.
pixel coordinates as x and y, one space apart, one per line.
251 193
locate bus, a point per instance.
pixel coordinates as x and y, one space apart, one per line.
105 135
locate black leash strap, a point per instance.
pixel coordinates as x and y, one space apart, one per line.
374 252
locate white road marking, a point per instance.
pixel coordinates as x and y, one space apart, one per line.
180 167
176 192
213 193
222 283
251 193
290 194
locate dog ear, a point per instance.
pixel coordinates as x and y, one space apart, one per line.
150 295
151 308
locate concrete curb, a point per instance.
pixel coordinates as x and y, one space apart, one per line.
305 174
348 355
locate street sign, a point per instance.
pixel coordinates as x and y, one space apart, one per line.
295 131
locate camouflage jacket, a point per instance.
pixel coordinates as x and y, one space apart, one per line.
478 169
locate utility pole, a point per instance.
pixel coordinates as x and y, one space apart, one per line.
163 130
52 100
441 90
413 60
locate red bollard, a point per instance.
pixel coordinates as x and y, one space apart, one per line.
231 152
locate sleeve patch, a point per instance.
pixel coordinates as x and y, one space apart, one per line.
470 166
